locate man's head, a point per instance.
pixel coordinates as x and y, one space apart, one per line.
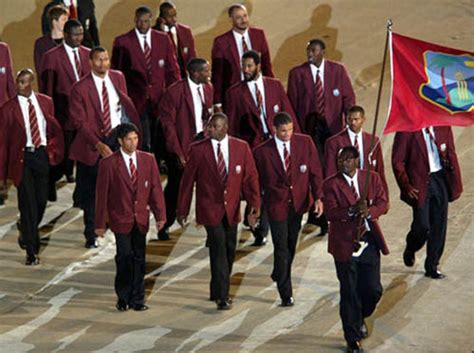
348 160
251 65
355 118
58 16
168 13
99 60
315 51
217 126
73 33
143 17
24 82
199 70
127 136
239 17
283 126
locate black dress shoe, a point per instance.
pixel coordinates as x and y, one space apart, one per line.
364 331
435 275
121 305
91 244
287 302
409 258
260 241
164 234
32 260
140 307
223 304
70 179
52 193
354 347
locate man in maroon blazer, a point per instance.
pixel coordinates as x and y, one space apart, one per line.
98 104
291 179
57 15
224 172
427 171
147 59
321 93
251 105
355 241
229 47
180 35
7 84
353 135
183 123
128 186
32 140
62 66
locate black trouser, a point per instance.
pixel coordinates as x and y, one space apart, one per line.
32 197
147 121
175 172
86 179
130 262
261 231
66 167
430 222
222 241
360 290
285 238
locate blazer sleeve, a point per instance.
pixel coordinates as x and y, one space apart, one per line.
187 183
316 171
348 99
379 204
101 195
157 200
292 91
118 59
330 157
287 107
266 59
251 187
78 115
168 121
377 155
11 89
4 137
231 110
49 77
172 68
399 153
55 146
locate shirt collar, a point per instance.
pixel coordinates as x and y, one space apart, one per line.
280 143
193 85
98 78
352 133
224 141
349 179
69 48
141 35
127 156
25 99
321 67
171 29
239 35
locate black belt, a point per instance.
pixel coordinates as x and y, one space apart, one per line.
33 149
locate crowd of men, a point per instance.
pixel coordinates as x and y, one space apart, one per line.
228 129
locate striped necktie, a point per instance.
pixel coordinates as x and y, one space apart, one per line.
34 128
221 164
319 95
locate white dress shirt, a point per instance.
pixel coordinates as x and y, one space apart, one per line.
432 149
174 33
141 38
114 99
224 149
240 47
352 137
70 54
126 158
315 69
280 147
197 103
67 3
253 92
24 105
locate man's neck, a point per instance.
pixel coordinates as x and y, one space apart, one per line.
57 34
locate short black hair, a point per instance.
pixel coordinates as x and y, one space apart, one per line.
252 54
282 118
316 41
356 109
351 151
96 50
166 6
196 64
126 128
70 24
25 71
142 10
234 7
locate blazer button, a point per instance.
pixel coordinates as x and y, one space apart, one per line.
225 202
291 187
21 160
225 191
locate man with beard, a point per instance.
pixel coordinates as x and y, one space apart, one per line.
251 106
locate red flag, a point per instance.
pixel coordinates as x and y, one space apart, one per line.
431 85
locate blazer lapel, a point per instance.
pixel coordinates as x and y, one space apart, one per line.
211 160
190 103
249 102
17 113
123 171
233 49
421 142
137 49
94 95
67 64
276 160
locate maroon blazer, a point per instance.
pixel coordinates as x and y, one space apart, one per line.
58 77
7 83
87 117
244 120
118 205
373 158
226 64
178 118
338 197
214 200
13 137
128 57
42 45
411 167
338 95
186 46
306 181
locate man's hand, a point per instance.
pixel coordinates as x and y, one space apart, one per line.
100 232
253 217
182 161
182 220
160 225
413 193
318 208
103 149
363 209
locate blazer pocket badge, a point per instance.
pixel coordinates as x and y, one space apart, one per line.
185 50
303 168
161 63
276 108
443 147
238 169
335 92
